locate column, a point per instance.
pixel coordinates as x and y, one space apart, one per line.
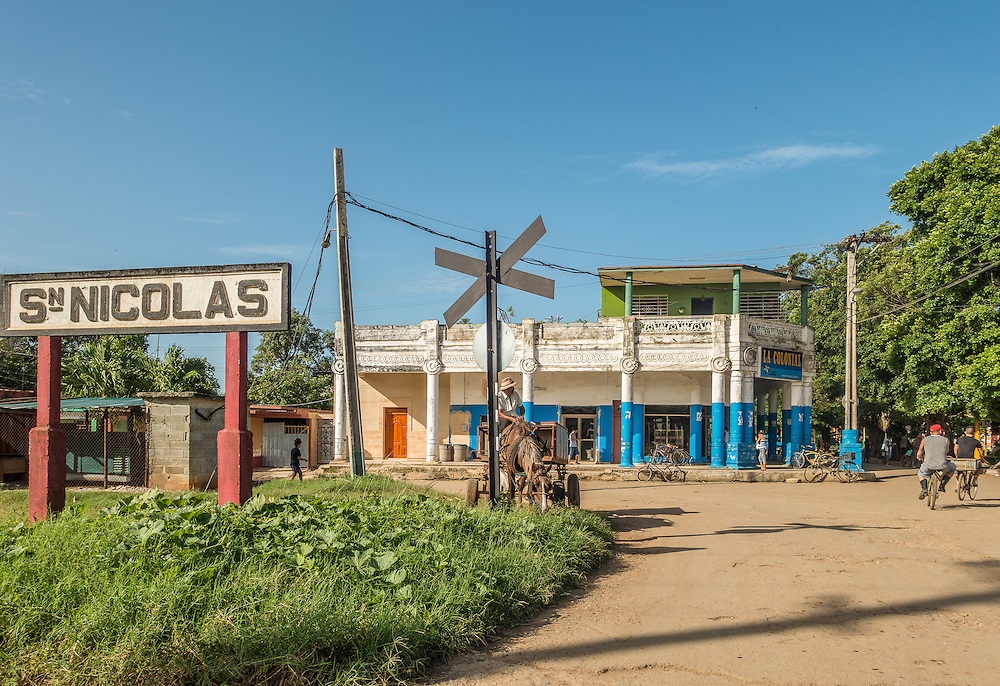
718 419
761 413
47 441
748 410
737 419
786 422
234 441
340 412
796 417
807 401
432 372
626 421
697 437
528 394
772 424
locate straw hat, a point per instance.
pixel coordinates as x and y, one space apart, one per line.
507 383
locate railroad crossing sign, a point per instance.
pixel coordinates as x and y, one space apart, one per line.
508 276
489 273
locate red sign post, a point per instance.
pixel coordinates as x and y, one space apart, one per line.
47 441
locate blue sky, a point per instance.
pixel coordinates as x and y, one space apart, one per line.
186 133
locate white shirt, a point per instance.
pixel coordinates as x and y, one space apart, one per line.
508 404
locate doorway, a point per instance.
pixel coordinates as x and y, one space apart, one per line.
394 436
666 428
585 426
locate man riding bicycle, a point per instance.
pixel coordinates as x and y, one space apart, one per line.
933 454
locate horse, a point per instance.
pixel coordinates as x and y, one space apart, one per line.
521 463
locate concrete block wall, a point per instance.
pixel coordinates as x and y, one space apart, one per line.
183 432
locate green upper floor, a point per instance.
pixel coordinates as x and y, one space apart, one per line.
699 290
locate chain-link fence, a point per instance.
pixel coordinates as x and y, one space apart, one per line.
104 446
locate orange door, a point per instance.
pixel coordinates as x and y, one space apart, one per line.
395 432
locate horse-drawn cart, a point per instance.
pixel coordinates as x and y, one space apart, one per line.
554 485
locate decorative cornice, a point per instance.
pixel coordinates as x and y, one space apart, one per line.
721 363
433 366
769 330
657 358
339 367
749 355
630 365
529 365
676 325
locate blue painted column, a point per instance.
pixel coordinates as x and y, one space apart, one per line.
528 396
798 416
807 394
748 410
737 420
626 421
772 424
786 422
718 419
697 434
638 421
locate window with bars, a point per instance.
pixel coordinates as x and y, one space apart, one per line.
651 306
761 305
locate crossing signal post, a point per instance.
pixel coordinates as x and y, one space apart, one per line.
489 274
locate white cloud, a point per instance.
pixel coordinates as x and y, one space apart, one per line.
19 90
770 159
218 218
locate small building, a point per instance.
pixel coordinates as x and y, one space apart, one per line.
276 427
697 356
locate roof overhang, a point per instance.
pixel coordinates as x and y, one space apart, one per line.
688 275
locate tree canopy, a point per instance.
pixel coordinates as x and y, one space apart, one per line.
293 367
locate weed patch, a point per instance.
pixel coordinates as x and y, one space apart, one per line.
362 582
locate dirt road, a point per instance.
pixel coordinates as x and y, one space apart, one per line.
771 584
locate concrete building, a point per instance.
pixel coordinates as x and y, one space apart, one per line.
698 356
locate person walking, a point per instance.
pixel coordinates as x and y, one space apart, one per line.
296 457
574 447
933 455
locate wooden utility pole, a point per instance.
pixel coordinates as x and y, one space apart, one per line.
492 362
352 398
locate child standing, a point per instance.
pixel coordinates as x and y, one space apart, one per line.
296 456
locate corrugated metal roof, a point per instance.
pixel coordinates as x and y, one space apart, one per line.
73 404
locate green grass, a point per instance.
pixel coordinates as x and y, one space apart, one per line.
336 581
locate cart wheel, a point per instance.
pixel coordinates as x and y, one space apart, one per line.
558 493
472 492
573 490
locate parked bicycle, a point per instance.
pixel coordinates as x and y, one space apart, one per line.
821 465
670 453
805 455
661 468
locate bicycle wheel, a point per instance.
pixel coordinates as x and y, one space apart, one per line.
682 457
973 486
963 484
849 471
813 474
798 460
932 490
644 473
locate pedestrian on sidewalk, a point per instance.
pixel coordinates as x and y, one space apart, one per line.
762 450
296 457
574 447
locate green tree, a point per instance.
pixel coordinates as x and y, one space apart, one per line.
18 363
177 372
121 367
294 366
947 327
107 367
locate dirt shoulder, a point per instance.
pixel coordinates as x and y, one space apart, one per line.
770 583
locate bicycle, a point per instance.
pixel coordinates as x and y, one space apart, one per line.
968 479
802 456
664 469
821 465
933 488
669 453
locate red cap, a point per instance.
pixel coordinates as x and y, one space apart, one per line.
935 427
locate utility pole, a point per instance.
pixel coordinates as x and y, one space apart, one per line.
850 439
352 398
492 362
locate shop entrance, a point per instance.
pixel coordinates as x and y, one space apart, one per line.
585 424
666 424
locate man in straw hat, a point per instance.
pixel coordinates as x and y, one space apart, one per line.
509 405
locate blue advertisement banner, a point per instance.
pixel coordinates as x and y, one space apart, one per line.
780 364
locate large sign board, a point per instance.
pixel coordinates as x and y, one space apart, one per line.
241 297
780 364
